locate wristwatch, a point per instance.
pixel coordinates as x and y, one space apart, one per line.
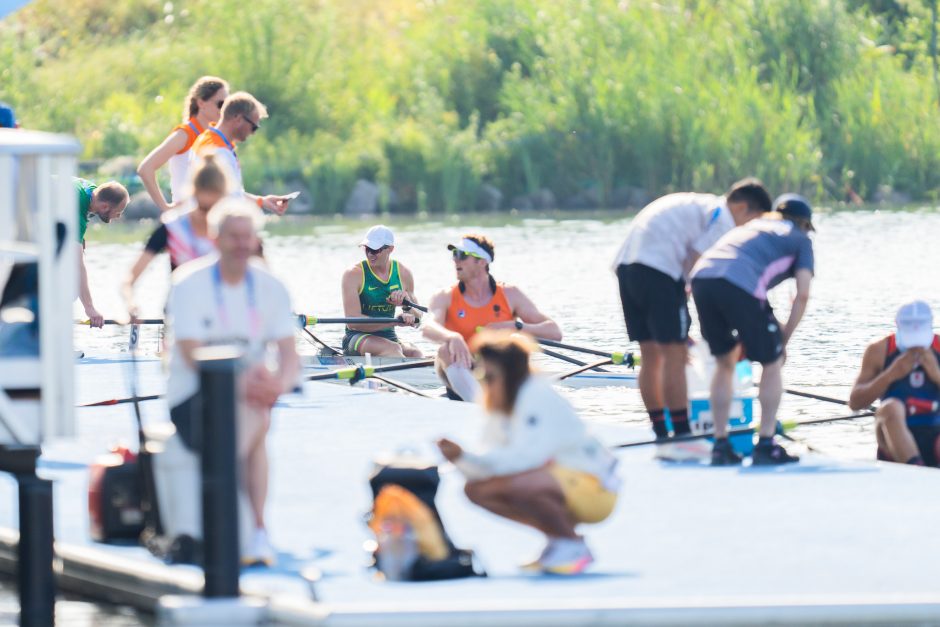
518 324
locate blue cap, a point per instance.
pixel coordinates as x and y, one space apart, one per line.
7 118
796 206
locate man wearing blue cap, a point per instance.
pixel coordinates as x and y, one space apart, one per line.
730 284
903 370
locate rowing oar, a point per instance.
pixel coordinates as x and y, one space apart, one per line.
357 373
570 360
583 368
817 397
321 342
790 424
399 384
309 321
410 305
627 359
118 401
124 322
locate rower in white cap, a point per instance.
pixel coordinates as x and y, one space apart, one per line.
902 370
476 301
374 287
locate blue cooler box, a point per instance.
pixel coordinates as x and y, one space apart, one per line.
742 415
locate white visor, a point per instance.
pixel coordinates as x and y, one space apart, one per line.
471 247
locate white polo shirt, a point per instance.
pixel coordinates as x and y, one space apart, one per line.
201 307
669 232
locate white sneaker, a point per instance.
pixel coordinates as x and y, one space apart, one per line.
684 451
261 551
567 557
536 564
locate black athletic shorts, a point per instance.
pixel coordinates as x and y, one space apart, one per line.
187 419
654 304
927 438
728 315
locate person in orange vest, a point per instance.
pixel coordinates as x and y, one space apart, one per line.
202 109
241 117
475 302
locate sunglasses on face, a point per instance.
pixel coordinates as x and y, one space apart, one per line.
460 255
254 127
219 103
376 251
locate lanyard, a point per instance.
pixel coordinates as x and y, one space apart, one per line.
253 317
225 139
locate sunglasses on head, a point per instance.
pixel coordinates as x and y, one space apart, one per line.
376 251
254 127
460 255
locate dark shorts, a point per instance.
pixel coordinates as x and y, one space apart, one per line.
927 438
187 419
729 315
352 339
654 304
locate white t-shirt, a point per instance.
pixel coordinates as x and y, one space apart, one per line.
671 230
543 428
201 307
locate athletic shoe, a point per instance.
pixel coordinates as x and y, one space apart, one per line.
683 451
567 557
536 564
261 553
723 454
771 455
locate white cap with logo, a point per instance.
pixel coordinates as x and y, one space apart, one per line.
915 325
378 236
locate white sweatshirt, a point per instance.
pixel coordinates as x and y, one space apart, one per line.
543 428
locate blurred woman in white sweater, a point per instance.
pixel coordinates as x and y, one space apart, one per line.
538 466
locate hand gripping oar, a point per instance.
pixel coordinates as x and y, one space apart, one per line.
790 424
122 323
361 371
618 358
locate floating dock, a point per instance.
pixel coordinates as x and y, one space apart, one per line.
823 541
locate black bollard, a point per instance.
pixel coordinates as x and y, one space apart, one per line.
35 553
218 369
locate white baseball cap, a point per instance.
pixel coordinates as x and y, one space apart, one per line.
378 236
915 325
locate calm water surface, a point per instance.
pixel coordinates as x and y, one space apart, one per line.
868 262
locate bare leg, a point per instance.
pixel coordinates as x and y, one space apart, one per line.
891 421
531 498
674 386
253 458
770 392
379 347
651 375
722 391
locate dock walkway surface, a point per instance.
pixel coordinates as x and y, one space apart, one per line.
822 541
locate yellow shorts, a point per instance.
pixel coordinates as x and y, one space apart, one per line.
587 500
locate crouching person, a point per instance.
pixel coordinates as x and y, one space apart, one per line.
540 467
228 299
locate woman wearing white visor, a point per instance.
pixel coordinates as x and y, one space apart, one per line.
477 301
903 370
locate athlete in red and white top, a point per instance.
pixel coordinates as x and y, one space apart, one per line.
241 117
202 109
477 301
184 235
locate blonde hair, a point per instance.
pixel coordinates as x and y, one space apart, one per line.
232 208
202 89
242 103
209 175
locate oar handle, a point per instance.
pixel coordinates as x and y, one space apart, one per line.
410 305
309 321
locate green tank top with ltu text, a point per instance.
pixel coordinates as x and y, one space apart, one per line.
374 293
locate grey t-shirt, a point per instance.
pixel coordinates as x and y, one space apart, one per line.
757 256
